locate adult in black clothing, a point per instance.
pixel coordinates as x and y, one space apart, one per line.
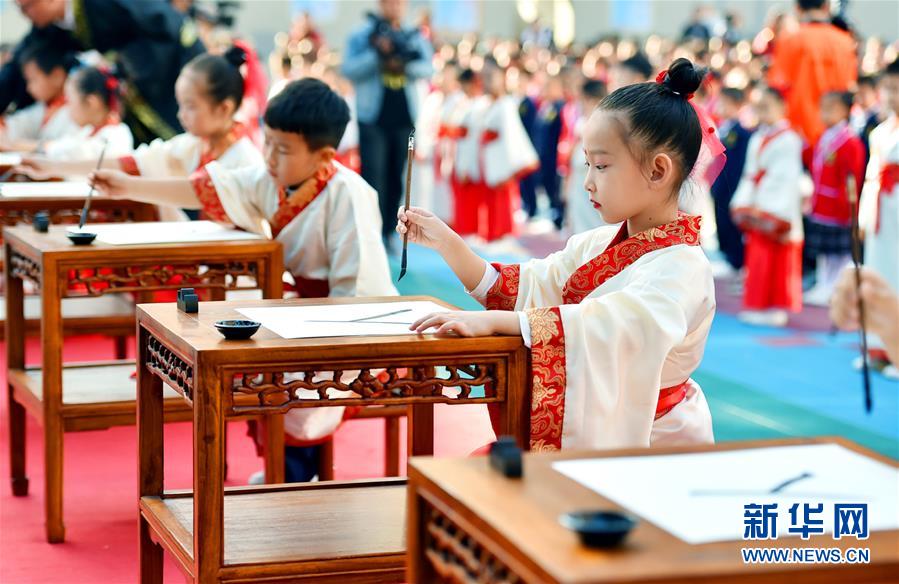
152 42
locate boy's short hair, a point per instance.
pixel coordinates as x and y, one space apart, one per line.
775 93
892 68
310 108
594 89
734 94
846 98
639 64
868 81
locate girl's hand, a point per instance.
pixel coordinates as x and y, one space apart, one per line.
112 183
36 168
424 227
470 324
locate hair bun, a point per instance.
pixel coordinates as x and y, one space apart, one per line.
684 78
236 56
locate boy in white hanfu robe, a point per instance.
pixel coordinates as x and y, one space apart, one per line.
617 321
325 215
767 207
879 215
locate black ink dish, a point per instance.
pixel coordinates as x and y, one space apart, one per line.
599 529
81 237
237 330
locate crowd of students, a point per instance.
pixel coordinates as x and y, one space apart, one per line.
622 140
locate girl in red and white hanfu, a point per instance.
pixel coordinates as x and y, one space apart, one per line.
617 321
767 207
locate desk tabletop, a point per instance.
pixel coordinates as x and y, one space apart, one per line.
196 333
55 243
522 515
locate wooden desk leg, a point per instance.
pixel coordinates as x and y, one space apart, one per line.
209 480
515 411
273 448
15 359
421 430
150 454
391 446
51 346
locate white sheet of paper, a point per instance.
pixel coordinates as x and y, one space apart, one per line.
10 159
699 498
299 322
73 189
164 232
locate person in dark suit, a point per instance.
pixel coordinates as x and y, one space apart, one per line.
527 110
152 41
736 139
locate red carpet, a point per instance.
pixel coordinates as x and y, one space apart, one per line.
101 484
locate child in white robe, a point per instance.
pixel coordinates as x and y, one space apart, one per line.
767 207
580 214
93 100
618 320
45 69
209 92
879 214
325 215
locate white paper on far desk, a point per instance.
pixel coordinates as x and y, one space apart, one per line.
10 159
699 498
74 189
165 232
299 322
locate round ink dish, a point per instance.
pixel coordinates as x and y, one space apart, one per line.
237 330
81 237
599 529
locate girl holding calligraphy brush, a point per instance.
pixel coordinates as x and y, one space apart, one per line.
618 320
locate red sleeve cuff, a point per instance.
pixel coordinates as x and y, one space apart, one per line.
504 293
129 165
207 195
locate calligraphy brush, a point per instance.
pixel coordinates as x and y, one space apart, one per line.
856 264
90 193
410 154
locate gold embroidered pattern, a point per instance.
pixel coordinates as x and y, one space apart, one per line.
548 378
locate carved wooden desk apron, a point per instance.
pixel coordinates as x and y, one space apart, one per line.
338 531
100 395
66 210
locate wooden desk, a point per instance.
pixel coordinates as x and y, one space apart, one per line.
334 532
95 396
67 210
467 522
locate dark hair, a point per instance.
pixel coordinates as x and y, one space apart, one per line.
844 97
892 68
638 63
658 115
869 80
48 57
467 76
594 89
811 4
775 93
94 81
310 108
222 74
734 94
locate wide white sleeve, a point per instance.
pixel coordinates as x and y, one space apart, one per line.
867 209
246 197
743 196
778 191
541 280
357 259
615 347
512 153
173 158
24 124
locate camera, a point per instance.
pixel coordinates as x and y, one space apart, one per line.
401 41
